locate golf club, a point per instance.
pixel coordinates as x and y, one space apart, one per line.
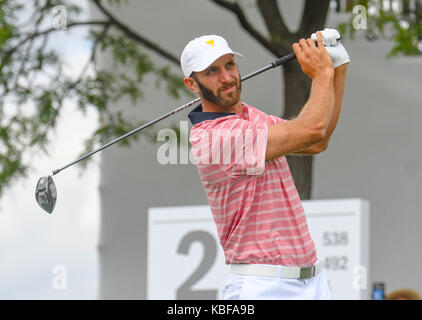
46 191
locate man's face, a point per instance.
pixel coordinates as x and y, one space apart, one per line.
220 82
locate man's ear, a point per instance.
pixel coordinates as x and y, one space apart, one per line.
191 84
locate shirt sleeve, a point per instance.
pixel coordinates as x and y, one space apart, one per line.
272 120
236 146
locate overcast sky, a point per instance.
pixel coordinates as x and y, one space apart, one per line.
54 256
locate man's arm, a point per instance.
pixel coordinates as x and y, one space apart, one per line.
310 126
339 84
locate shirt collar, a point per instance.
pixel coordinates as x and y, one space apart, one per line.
197 115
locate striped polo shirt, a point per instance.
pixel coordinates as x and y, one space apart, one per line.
255 204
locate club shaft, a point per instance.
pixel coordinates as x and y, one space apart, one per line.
274 64
187 105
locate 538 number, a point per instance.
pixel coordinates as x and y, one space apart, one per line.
335 238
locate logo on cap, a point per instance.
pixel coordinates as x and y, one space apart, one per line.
210 42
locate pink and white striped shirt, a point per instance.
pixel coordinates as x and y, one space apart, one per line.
255 204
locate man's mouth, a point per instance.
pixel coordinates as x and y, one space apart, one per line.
228 89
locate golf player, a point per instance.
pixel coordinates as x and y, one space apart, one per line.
240 155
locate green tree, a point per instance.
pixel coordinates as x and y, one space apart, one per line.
34 86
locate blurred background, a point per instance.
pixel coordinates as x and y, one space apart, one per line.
76 74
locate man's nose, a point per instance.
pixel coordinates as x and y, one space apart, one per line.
225 76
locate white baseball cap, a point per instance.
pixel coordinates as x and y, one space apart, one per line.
201 52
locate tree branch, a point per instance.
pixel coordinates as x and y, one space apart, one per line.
25 59
313 18
244 22
91 59
278 31
135 36
31 36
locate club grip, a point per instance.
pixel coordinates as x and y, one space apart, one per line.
288 57
284 59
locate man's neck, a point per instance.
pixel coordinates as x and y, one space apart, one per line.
208 106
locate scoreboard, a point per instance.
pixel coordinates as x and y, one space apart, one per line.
186 261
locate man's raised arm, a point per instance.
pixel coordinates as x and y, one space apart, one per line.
339 85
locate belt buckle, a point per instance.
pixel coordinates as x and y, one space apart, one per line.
307 272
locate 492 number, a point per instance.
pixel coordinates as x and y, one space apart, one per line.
335 263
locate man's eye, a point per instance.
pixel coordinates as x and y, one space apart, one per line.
230 64
211 71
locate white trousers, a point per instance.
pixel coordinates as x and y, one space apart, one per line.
240 287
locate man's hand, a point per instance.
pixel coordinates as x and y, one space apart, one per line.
314 60
338 54
335 49
330 37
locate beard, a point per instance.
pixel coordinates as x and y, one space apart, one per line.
229 100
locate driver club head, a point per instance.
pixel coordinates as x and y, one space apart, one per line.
46 193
